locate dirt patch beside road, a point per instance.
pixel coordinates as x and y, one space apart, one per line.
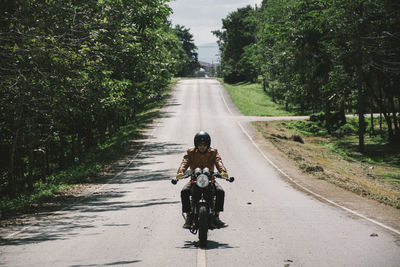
351 184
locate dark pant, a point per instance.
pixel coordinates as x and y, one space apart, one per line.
219 197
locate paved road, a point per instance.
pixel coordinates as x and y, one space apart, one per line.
135 220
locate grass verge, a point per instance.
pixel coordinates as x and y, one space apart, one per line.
373 174
251 100
333 157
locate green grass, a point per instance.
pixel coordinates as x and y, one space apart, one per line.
393 177
376 153
253 101
305 127
92 164
344 142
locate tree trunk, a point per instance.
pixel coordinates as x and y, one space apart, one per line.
11 167
342 111
63 145
360 87
47 161
273 93
361 121
30 170
389 124
361 105
328 117
79 148
31 140
395 120
264 84
372 132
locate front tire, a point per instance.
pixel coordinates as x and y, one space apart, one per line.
203 226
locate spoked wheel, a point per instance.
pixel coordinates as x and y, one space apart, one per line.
203 227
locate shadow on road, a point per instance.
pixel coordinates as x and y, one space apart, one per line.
217 245
69 215
69 222
210 245
118 263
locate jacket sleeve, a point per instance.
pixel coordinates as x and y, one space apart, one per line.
185 163
218 162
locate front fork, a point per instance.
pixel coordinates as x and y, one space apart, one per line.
201 197
195 213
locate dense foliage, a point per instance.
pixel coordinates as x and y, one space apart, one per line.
235 40
72 73
189 56
333 56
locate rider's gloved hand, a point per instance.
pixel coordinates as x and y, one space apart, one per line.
180 176
224 175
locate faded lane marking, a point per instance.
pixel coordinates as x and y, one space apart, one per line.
201 258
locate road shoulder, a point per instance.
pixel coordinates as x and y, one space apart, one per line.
369 208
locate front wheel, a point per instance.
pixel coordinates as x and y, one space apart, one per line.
203 226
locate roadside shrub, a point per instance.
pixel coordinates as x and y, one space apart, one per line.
306 127
297 138
318 118
346 129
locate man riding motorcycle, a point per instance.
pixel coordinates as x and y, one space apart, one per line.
201 156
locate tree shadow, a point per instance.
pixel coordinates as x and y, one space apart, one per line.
129 170
117 263
135 175
170 102
70 221
377 152
66 216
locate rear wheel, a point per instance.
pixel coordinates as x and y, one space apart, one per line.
203 226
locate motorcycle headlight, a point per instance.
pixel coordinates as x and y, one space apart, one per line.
206 171
202 181
197 171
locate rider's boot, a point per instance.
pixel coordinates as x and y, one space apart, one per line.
189 221
217 223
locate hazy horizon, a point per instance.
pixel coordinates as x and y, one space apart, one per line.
208 52
202 17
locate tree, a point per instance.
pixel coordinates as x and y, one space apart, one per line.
190 63
321 56
237 34
72 74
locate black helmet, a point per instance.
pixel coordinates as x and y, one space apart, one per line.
202 138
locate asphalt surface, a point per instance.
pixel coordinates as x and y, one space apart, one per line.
135 219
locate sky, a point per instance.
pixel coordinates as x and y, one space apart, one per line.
204 16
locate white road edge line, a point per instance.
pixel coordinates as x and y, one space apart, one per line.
304 188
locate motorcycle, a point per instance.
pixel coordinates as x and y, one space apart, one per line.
202 199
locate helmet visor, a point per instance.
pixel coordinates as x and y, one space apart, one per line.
202 143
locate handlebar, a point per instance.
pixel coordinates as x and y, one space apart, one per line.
230 179
174 181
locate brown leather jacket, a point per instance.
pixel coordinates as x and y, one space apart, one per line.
194 159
